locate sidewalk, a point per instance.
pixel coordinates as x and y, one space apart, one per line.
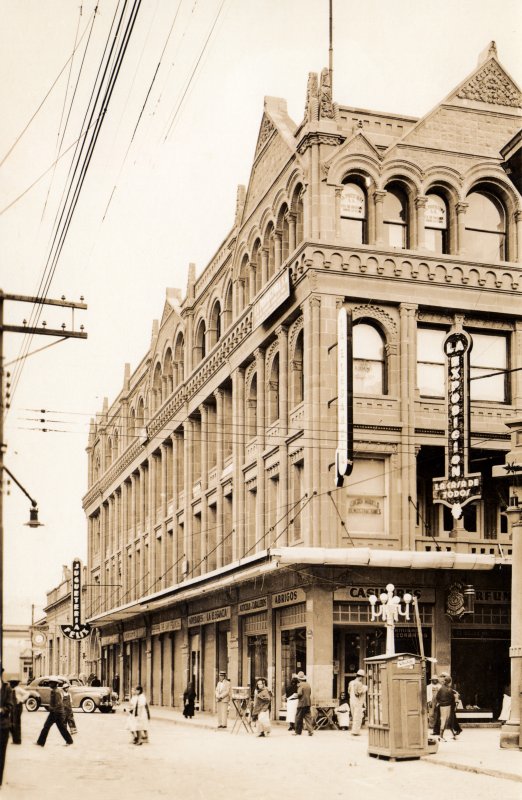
476 749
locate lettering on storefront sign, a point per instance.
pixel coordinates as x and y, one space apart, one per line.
406 663
288 598
355 594
457 487
492 596
344 452
78 630
135 633
166 626
276 294
204 617
364 505
107 640
251 606
481 633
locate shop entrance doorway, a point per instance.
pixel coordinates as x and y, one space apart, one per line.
195 666
480 671
257 655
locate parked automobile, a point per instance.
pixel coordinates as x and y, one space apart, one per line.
88 698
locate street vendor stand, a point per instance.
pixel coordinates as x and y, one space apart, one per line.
241 703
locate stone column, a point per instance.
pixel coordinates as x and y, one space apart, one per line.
203 410
278 249
238 459
378 197
319 641
103 555
251 281
218 394
461 209
338 193
291 232
315 414
408 367
187 495
518 244
282 512
264 265
259 354
161 578
420 205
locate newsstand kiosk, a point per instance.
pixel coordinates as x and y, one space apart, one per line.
396 707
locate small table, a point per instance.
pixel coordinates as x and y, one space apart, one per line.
242 720
324 715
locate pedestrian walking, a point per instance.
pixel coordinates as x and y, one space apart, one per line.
431 690
261 707
56 717
95 681
342 712
445 705
304 703
6 709
116 684
20 695
357 697
189 699
223 689
291 702
140 716
67 709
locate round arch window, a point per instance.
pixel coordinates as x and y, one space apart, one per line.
485 227
369 362
395 212
353 213
436 224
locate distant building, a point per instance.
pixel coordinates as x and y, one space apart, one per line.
17 651
218 538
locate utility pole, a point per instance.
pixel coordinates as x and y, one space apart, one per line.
42 330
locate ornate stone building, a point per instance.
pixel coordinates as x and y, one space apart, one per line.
218 537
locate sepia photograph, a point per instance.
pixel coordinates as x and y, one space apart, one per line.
260 399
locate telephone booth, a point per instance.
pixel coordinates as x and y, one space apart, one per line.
396 707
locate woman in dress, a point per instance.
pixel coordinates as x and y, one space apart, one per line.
140 716
189 698
342 712
445 703
261 707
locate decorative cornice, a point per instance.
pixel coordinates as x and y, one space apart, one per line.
319 137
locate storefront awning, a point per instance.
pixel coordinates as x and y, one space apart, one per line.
364 556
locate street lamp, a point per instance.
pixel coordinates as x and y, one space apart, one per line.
33 511
390 611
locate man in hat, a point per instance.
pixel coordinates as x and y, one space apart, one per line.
6 710
431 690
56 716
20 695
304 703
357 696
222 699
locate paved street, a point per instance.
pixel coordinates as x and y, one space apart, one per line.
196 763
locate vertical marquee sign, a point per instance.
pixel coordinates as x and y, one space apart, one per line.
458 487
344 452
77 630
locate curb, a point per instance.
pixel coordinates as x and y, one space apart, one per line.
493 773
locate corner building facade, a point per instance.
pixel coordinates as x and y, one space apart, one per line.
217 536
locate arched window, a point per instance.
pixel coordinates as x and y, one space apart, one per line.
156 388
354 213
168 378
227 307
140 418
116 444
369 363
297 386
436 224
273 391
395 216
179 360
132 423
485 227
215 323
108 454
200 344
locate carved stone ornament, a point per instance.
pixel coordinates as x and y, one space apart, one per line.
311 96
455 606
326 109
266 131
491 85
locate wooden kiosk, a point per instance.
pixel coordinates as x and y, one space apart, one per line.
396 707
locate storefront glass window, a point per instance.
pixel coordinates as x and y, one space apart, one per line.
257 653
293 653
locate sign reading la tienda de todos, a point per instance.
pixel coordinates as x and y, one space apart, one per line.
77 630
458 487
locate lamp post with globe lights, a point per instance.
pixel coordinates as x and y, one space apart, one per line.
390 612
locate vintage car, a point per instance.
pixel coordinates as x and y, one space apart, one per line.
88 698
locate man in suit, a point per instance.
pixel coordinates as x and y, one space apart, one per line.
304 703
222 699
6 710
56 717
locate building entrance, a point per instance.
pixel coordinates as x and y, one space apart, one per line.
480 669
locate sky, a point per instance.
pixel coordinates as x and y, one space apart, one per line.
162 195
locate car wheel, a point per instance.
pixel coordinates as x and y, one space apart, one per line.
32 704
88 705
105 710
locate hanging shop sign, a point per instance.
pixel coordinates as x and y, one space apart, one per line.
135 633
78 630
344 452
253 606
458 487
113 638
204 617
458 601
288 598
166 626
354 594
